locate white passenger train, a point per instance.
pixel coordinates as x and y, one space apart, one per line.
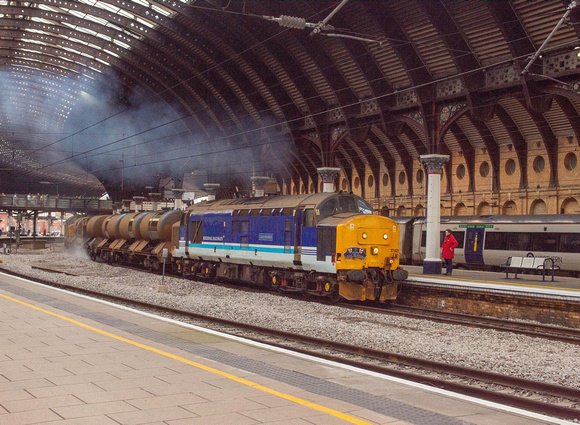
488 240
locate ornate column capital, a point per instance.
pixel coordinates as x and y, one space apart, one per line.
434 162
328 174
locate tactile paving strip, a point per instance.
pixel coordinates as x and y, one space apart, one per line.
378 404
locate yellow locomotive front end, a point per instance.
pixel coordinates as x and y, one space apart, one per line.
367 258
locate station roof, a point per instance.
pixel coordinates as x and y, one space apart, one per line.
116 95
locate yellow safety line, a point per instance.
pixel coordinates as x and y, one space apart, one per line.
243 381
496 282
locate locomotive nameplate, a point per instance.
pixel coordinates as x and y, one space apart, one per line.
355 252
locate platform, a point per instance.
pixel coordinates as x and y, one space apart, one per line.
67 359
562 285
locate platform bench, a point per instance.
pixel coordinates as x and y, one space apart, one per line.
520 264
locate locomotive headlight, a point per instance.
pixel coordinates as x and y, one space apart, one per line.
385 236
364 235
375 250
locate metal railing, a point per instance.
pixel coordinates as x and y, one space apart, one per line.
53 203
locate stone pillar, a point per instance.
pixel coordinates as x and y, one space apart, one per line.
138 203
126 205
434 164
211 189
329 176
178 194
154 198
258 184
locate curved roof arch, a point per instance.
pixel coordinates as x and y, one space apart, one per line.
223 88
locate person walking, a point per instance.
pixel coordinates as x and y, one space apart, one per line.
448 250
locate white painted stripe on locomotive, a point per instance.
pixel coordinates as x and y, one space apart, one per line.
264 259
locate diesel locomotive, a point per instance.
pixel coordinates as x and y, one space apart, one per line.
326 244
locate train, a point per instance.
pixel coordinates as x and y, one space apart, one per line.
486 241
329 245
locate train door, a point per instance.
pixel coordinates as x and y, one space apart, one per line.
298 221
474 245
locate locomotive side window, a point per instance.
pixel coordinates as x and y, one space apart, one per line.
545 242
195 234
309 218
496 240
328 208
570 242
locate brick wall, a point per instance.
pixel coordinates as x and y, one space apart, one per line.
478 303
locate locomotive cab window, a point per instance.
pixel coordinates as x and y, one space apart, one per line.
364 208
328 208
347 204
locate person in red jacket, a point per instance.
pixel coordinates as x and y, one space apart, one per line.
448 250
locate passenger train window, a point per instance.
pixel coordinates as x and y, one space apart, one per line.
254 213
460 237
287 211
545 242
570 242
519 241
328 208
495 240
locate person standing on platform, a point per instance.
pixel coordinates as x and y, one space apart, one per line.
448 250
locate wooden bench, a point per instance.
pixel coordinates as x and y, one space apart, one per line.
520 264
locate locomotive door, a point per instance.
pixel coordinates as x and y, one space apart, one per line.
474 245
298 221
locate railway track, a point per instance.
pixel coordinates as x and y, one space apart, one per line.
537 330
549 399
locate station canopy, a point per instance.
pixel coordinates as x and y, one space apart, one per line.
116 96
